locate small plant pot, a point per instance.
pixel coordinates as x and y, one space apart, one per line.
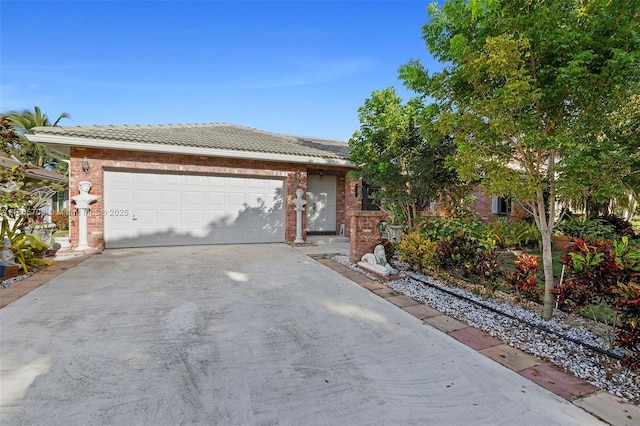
560 242
395 233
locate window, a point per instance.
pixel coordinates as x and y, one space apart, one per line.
501 205
368 202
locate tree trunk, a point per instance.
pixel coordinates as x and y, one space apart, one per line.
549 280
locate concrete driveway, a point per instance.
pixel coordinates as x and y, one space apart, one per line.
242 335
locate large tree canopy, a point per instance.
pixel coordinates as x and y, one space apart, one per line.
399 154
529 91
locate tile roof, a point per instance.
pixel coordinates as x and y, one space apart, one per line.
33 172
212 136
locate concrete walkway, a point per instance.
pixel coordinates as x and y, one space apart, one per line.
252 334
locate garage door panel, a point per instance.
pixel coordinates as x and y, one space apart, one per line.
235 198
146 179
216 218
183 209
169 216
170 181
193 198
215 198
146 196
122 196
256 199
193 218
169 197
194 180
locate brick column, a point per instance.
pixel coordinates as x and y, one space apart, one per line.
364 233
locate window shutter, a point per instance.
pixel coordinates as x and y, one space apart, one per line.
495 205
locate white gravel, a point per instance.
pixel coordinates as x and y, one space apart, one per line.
600 370
10 281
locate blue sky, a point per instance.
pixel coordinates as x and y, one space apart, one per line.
297 67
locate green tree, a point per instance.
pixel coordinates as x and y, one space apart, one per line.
399 153
31 152
525 86
8 136
615 152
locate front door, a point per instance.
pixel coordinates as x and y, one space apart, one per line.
321 203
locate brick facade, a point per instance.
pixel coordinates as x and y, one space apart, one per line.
365 233
295 176
483 203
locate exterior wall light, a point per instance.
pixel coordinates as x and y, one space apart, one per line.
85 165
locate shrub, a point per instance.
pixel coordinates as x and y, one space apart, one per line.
61 219
27 249
621 226
524 280
437 228
418 251
514 234
487 267
587 228
602 275
628 335
457 252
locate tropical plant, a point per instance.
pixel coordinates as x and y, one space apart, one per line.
418 251
621 226
61 219
524 280
583 227
628 334
438 228
514 234
27 249
597 272
528 91
32 152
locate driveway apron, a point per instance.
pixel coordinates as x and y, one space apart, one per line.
242 335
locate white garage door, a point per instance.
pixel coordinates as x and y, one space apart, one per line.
158 209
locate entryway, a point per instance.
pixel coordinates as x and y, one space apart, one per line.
321 204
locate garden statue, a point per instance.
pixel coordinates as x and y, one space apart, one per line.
7 254
377 262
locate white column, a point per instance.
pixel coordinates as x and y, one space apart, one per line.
83 242
299 202
83 205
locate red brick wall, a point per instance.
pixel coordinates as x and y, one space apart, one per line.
364 233
108 159
482 205
353 203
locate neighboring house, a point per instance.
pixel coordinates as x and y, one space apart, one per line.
203 184
40 177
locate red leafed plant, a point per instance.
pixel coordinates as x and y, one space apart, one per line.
604 276
524 280
628 335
